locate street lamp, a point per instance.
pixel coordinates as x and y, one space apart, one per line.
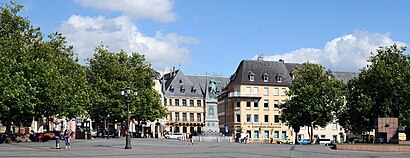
108 126
127 92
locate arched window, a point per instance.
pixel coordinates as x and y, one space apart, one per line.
278 78
265 77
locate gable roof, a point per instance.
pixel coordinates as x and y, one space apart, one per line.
203 81
345 76
189 86
273 69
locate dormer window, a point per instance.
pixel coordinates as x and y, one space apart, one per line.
291 74
251 76
278 78
193 89
171 88
265 77
182 88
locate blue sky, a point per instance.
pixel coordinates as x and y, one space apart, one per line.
213 36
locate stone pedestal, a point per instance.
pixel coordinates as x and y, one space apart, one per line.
211 117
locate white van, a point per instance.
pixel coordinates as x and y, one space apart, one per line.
326 142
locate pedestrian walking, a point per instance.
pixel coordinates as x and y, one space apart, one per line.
190 141
58 137
67 136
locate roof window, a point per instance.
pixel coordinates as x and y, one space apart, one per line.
251 76
265 77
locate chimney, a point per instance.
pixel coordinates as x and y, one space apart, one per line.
170 73
173 70
281 60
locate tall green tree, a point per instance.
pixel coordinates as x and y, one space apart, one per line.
17 37
381 90
315 97
108 72
38 77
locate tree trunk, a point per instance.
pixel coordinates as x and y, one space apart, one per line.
8 125
296 138
311 133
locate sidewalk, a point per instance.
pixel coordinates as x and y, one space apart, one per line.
174 149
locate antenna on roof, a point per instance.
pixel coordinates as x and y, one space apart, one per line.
260 41
179 63
260 57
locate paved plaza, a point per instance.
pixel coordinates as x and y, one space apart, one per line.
174 148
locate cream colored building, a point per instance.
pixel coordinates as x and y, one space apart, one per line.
184 97
157 126
250 103
333 131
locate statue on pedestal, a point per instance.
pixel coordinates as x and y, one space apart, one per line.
212 89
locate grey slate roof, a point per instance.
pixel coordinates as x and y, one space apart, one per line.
203 82
189 86
345 76
273 69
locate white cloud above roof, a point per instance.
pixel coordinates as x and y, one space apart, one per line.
346 53
85 33
157 10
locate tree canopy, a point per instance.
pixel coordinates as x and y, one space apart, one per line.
108 72
381 90
314 98
37 77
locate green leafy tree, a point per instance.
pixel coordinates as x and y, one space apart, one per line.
381 90
17 37
38 78
315 97
108 72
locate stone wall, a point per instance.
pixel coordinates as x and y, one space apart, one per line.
376 148
388 126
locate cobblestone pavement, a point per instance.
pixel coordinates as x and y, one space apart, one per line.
174 148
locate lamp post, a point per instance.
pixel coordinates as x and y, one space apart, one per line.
108 126
126 92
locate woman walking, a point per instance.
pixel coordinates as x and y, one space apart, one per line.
67 139
190 141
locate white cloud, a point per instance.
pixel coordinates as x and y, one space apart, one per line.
158 10
347 53
85 33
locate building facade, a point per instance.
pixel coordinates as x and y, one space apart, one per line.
250 102
184 97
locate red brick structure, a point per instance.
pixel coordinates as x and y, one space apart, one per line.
386 130
372 147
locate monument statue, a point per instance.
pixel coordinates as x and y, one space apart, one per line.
212 89
211 111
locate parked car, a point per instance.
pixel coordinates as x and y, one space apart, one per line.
304 142
332 144
284 141
325 142
173 136
356 140
93 133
